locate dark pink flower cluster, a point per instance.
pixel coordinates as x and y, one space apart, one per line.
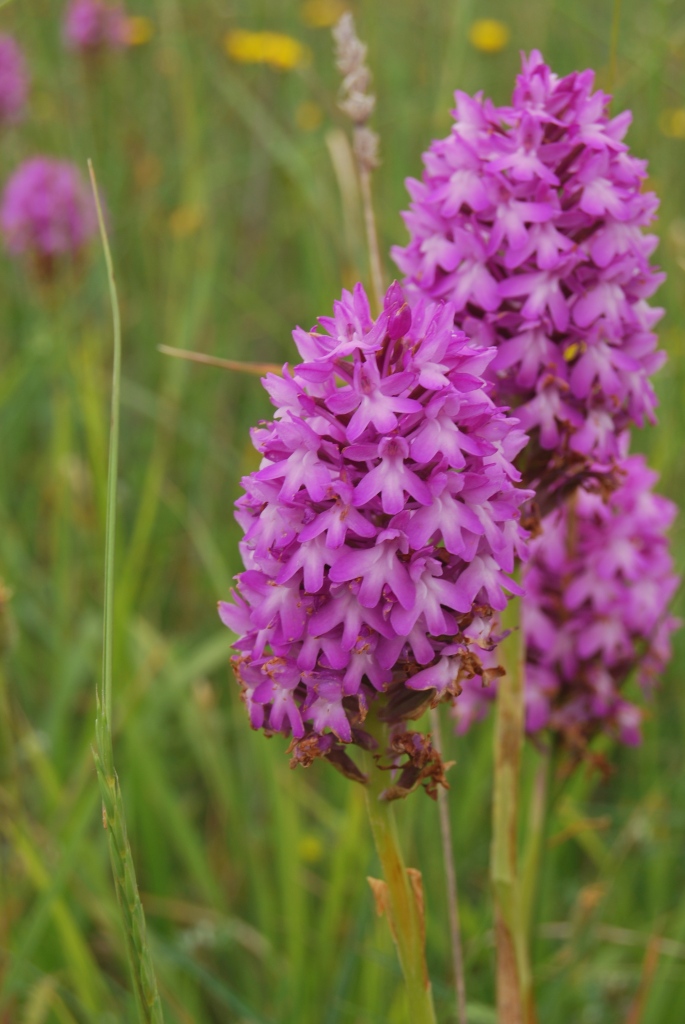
598 585
92 25
47 210
14 81
529 219
381 526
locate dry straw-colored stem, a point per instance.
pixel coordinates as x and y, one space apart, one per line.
372 239
258 369
357 102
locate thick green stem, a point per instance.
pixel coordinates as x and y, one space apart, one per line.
514 992
400 897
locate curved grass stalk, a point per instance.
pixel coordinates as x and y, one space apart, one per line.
113 817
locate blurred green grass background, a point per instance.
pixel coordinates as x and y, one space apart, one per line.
228 228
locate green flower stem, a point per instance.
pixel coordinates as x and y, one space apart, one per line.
399 896
514 988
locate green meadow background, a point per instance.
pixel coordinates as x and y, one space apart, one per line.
229 227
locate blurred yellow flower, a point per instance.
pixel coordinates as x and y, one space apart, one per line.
185 220
139 30
308 116
322 13
310 849
672 122
489 35
273 48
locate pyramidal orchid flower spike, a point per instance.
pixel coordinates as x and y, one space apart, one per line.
598 585
530 219
380 528
14 81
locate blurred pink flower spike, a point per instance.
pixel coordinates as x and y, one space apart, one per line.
95 25
47 213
